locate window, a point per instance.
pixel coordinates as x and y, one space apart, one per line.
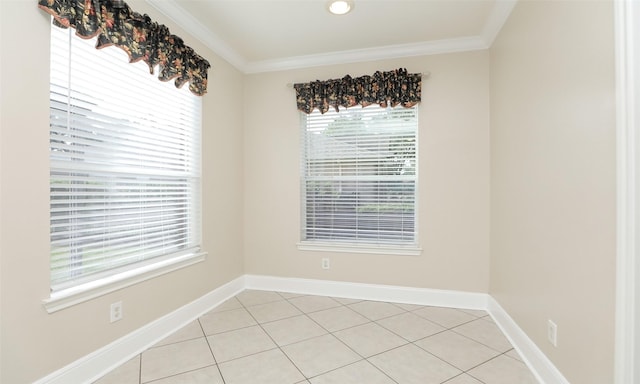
359 177
125 165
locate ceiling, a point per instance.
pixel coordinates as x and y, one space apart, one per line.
269 35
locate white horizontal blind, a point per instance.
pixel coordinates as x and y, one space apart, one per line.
125 164
359 180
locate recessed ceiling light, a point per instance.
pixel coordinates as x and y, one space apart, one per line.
340 7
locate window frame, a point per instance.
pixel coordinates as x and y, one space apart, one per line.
67 295
350 245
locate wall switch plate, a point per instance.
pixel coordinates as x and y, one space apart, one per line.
326 264
552 333
115 313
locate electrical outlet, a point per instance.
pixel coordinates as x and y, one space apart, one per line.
552 333
116 312
326 264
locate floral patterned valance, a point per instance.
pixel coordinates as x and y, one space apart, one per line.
392 88
143 39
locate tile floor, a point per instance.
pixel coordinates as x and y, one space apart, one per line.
263 337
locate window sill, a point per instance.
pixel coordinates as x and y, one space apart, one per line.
71 296
407 250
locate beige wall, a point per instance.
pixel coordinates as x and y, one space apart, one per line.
33 342
553 180
541 197
453 178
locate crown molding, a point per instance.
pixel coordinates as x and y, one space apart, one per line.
501 11
472 43
186 21
499 15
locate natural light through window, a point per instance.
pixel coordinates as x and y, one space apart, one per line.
125 165
359 177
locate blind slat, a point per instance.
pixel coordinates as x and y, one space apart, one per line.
359 178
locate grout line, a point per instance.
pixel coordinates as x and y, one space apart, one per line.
306 314
463 373
479 342
366 359
272 340
333 334
206 338
140 368
180 373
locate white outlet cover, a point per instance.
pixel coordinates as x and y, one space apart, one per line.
115 312
552 333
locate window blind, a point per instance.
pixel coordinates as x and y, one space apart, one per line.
359 174
124 164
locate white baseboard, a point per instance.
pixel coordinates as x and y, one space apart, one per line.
540 365
102 361
96 364
542 368
389 293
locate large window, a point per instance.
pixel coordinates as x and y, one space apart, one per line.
125 165
359 176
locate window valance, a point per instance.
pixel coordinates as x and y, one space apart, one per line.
115 23
390 88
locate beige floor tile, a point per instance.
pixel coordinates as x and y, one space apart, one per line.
514 355
239 343
269 367
463 379
503 370
369 339
338 318
308 304
191 331
447 317
293 330
232 303
408 307
173 359
208 375
290 295
486 333
376 310
361 372
251 297
277 310
457 350
127 373
412 365
262 337
218 322
410 326
488 318
320 355
346 301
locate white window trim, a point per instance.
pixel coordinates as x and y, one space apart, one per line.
66 295
78 294
401 250
370 247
